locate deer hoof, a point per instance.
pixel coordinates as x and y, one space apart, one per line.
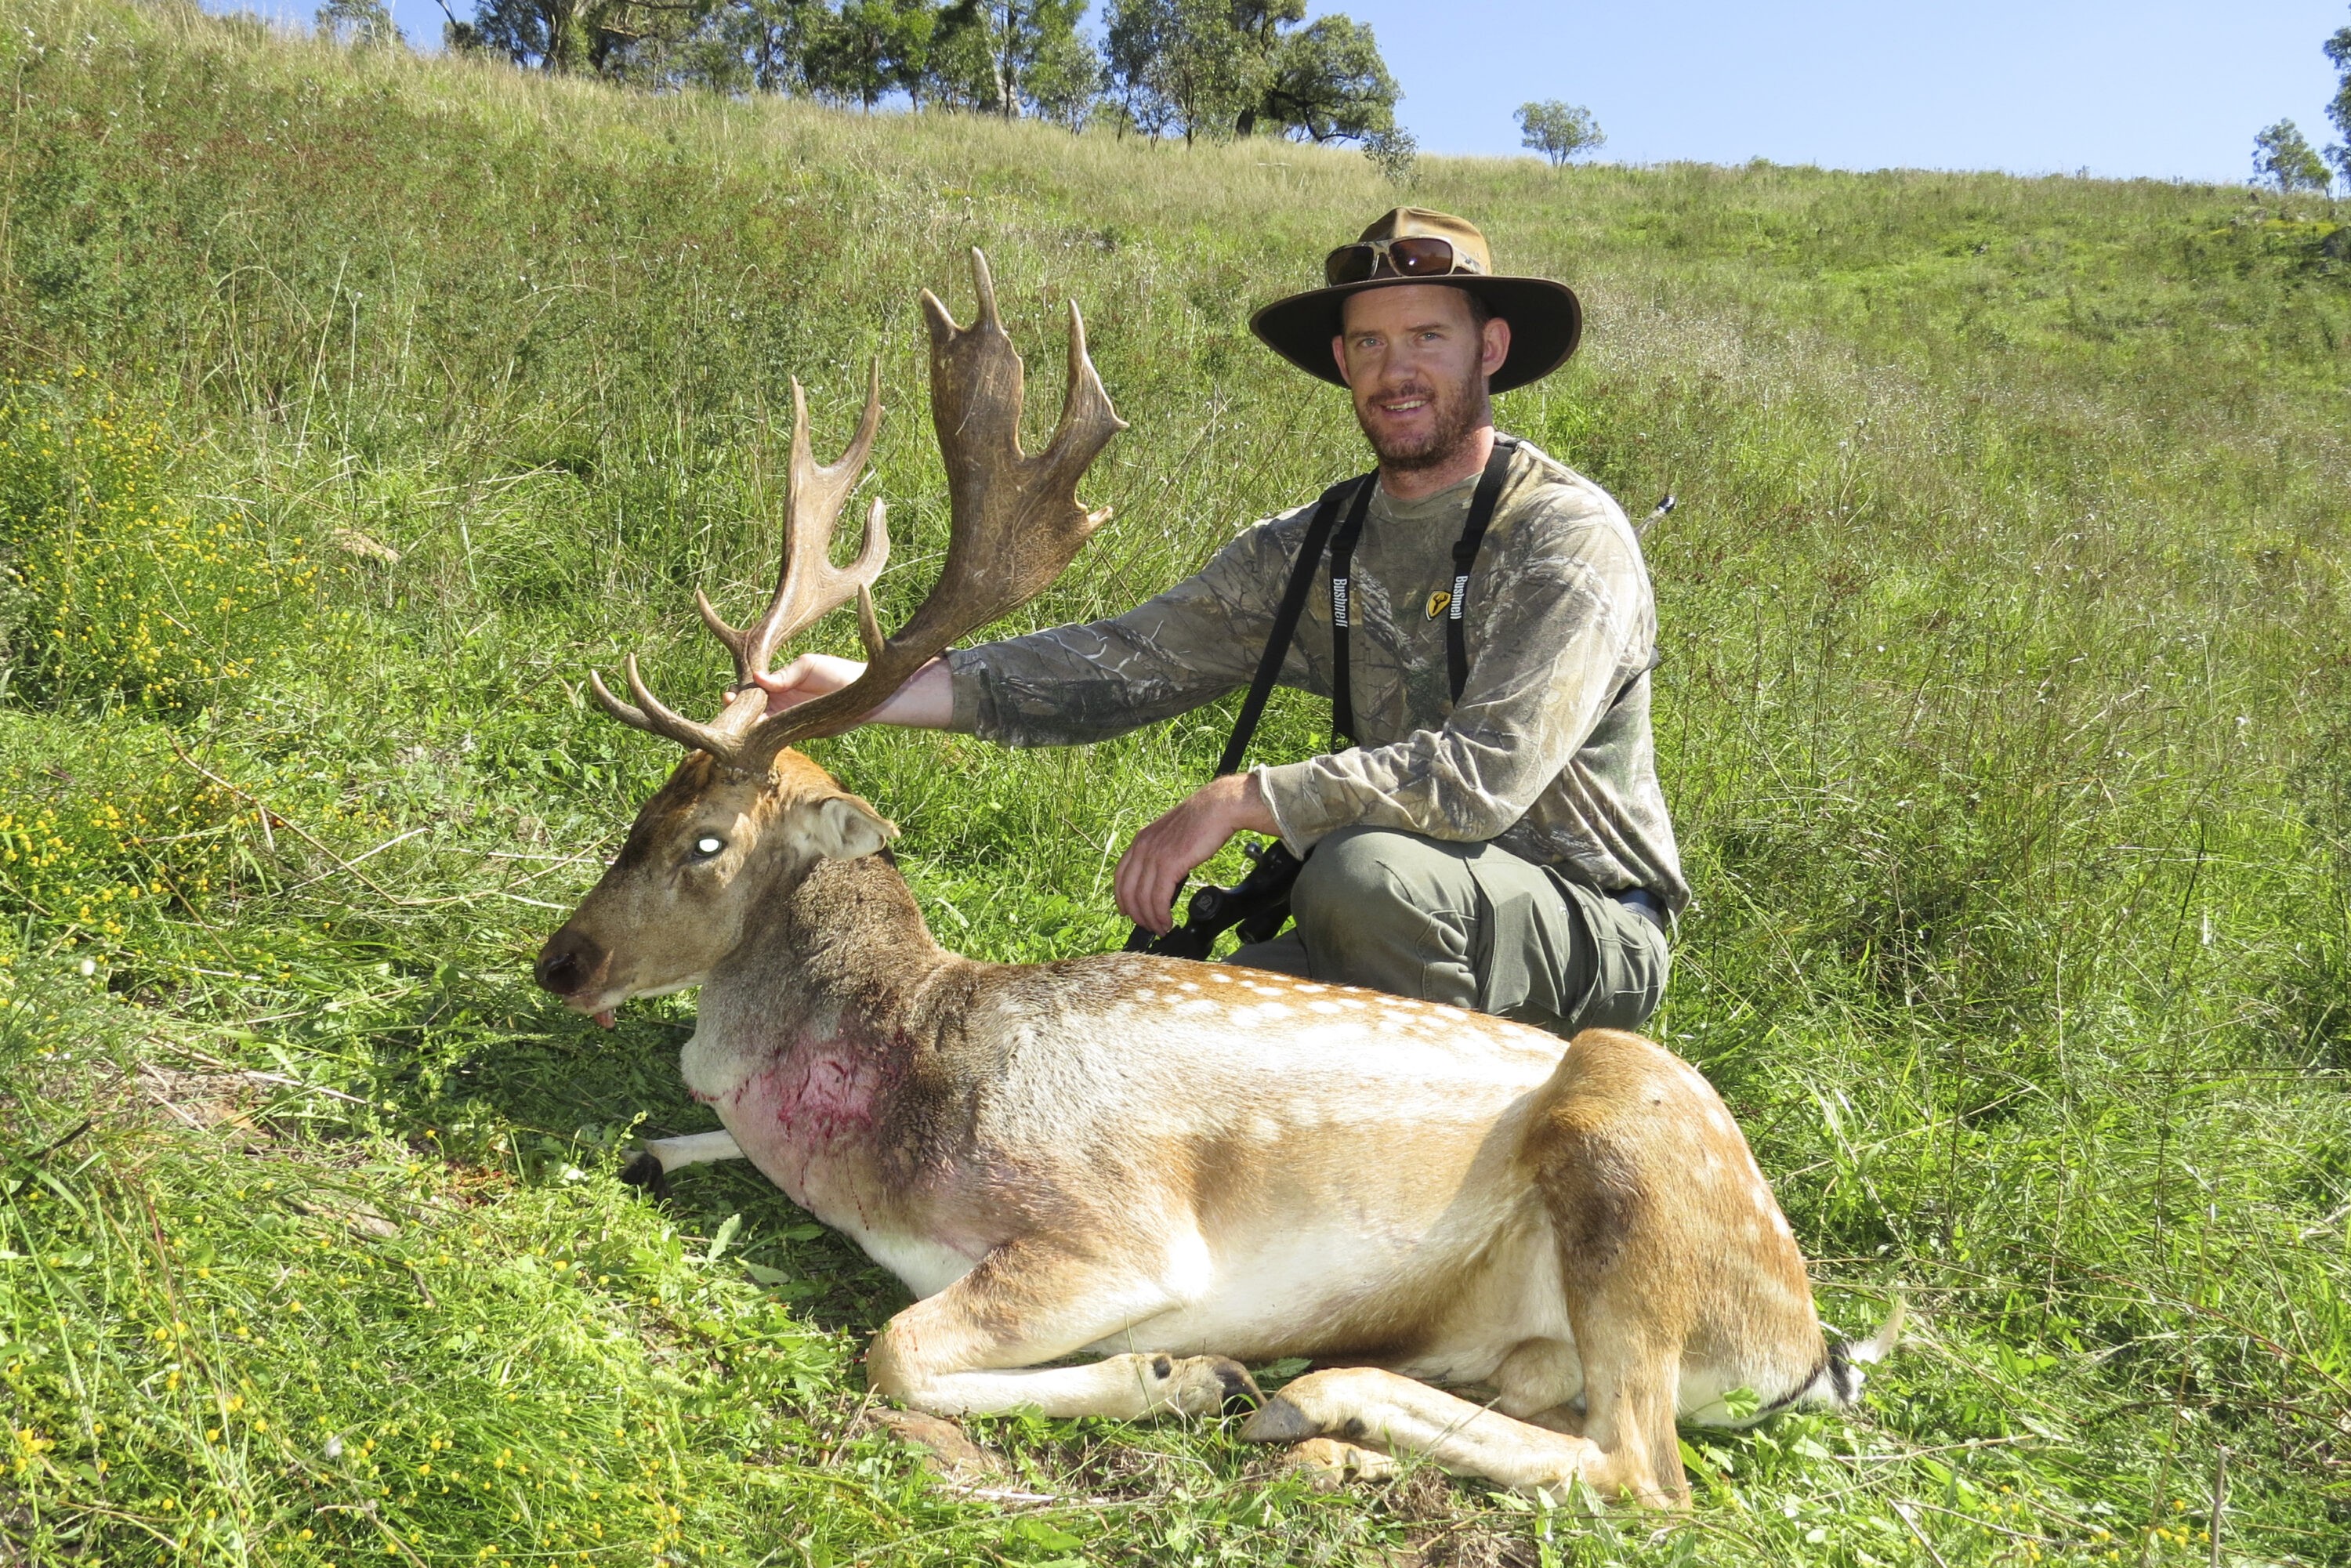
1325 1464
940 1444
645 1174
1278 1421
1240 1392
1208 1386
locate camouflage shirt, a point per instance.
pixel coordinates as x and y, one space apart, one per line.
1549 753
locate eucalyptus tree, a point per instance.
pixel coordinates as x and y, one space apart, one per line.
2338 51
2284 159
871 48
561 36
1239 67
770 41
1327 83
1558 130
1013 56
358 24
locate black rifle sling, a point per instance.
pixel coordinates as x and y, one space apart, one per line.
1320 531
1285 617
1203 925
1465 556
1342 581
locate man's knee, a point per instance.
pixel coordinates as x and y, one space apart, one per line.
1390 911
1353 878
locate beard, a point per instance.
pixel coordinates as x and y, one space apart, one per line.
1457 412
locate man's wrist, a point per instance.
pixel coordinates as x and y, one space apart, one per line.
1245 806
925 702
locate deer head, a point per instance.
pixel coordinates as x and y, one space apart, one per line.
746 815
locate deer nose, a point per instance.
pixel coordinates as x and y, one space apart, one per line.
568 964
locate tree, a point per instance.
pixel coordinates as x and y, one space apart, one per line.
1064 80
360 23
1180 64
1136 35
2284 159
770 41
1263 21
1007 56
1327 83
1206 67
1260 27
625 39
1394 153
963 59
666 46
2338 51
556 36
459 37
1558 130
871 48
548 34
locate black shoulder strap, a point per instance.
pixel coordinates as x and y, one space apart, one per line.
1343 584
1285 616
1465 556
1319 531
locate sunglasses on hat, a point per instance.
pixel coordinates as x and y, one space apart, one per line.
1413 256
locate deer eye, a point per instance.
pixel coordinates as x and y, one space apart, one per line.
708 845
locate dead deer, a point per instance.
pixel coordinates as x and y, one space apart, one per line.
1176 1168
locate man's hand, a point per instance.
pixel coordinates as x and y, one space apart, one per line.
925 702
1168 851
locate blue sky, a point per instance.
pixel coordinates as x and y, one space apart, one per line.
2156 87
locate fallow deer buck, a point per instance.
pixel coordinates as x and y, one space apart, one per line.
1177 1167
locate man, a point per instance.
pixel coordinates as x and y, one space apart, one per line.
1496 838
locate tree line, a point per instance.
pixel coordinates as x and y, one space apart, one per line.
1192 69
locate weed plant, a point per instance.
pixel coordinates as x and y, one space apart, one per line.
357 404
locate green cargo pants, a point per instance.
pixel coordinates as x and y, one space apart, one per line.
1469 924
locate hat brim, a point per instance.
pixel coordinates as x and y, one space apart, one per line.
1546 323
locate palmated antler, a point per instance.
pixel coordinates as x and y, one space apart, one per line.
808 588
1015 524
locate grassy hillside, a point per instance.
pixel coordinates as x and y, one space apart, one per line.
357 405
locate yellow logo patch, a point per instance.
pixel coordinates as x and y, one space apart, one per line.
1439 603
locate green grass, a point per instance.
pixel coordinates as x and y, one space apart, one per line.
2003 715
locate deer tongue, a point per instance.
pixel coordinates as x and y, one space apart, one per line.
605 1020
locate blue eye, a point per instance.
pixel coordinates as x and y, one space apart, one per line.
708 845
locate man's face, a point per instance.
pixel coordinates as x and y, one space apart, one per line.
1416 361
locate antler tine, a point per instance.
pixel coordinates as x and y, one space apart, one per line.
1085 409
808 585
1015 520
650 714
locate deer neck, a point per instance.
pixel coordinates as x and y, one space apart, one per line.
836 964
854 936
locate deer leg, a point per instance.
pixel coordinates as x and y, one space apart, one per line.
972 1349
1628 1402
656 1157
1635 1162
1325 1464
695 1149
1367 1405
1649 1191
666 1154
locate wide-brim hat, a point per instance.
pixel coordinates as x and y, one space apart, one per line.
1545 317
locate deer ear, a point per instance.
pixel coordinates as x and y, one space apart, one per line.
847 829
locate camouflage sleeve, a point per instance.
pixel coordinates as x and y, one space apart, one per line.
1568 622
1190 645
